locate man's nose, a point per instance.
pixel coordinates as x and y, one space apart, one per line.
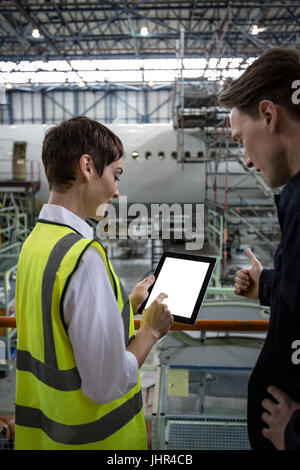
249 164
116 195
248 161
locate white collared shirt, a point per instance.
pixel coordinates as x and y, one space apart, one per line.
93 320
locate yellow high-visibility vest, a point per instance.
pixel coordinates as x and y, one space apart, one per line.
52 412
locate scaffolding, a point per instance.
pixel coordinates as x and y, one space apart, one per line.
9 256
13 226
13 232
19 186
237 198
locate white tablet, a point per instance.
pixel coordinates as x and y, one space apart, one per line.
184 278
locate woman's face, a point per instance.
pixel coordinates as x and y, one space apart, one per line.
103 189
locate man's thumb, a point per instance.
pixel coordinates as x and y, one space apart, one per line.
251 256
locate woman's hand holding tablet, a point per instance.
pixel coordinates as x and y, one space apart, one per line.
184 278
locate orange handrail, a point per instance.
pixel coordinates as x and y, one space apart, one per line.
219 325
200 325
7 322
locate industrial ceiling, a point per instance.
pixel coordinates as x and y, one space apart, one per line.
112 29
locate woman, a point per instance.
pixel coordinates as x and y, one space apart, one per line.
78 360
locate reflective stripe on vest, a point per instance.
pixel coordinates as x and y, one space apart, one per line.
69 380
47 372
55 258
65 380
81 433
126 315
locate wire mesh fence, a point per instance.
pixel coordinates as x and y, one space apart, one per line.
202 409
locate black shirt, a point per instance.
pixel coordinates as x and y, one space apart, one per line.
279 288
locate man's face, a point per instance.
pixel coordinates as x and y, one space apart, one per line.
262 147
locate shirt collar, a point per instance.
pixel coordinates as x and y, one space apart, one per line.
61 215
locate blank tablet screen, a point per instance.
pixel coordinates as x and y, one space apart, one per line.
184 278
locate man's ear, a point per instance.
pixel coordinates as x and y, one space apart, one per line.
86 166
269 113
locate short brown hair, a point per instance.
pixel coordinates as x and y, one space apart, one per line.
64 144
269 77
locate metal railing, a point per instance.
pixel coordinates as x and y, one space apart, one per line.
200 325
29 171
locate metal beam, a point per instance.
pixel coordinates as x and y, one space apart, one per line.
39 27
95 29
7 21
44 33
59 104
66 25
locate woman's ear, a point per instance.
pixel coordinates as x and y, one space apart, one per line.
86 166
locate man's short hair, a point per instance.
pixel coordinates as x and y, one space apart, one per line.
64 145
269 77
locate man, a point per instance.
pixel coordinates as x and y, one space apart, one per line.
265 119
78 359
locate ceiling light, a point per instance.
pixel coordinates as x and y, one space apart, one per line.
35 33
144 31
255 29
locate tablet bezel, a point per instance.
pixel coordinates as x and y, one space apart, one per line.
210 260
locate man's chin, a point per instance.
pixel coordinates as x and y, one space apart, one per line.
275 184
267 180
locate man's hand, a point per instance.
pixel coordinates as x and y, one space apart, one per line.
246 282
277 416
140 293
